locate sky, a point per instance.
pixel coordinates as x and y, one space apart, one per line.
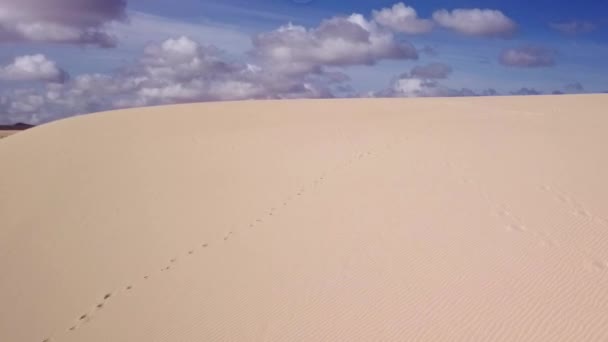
60 58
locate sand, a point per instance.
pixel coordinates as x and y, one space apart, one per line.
4 134
448 219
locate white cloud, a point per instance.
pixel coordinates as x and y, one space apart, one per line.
528 57
416 87
402 18
335 42
143 28
422 81
21 106
410 87
289 62
176 70
432 71
59 21
476 22
32 68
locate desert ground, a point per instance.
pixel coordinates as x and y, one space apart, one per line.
4 134
445 219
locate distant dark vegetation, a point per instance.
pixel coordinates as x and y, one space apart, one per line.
16 127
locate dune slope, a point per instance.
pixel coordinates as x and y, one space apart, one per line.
465 219
4 134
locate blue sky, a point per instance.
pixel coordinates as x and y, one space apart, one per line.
147 52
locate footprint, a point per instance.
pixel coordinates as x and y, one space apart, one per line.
190 252
545 239
204 245
146 277
83 317
503 213
99 306
107 296
73 328
129 287
173 260
516 228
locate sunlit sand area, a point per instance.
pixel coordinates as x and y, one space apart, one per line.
446 219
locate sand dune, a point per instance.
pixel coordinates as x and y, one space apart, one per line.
4 134
449 219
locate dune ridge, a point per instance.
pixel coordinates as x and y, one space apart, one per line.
439 219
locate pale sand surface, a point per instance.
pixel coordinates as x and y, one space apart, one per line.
4 134
463 219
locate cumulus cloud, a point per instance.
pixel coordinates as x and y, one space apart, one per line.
289 62
476 22
573 27
181 70
21 101
335 42
431 71
402 18
176 70
416 87
60 21
528 57
422 81
33 68
412 87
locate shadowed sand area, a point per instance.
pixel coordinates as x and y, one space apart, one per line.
4 134
446 219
